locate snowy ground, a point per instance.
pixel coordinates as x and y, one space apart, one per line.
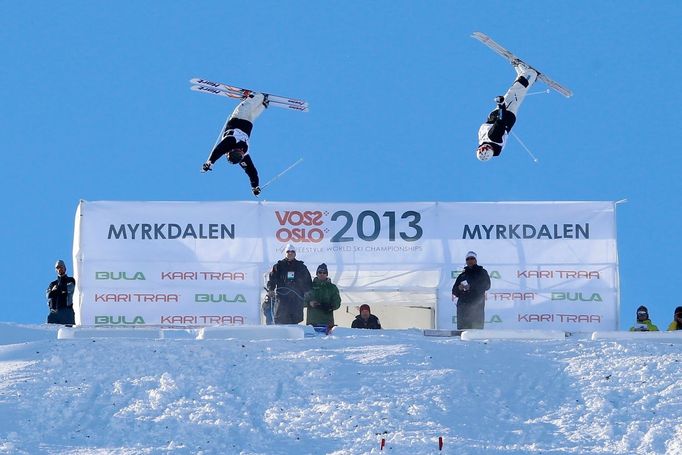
339 394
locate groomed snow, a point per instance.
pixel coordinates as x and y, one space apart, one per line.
339 394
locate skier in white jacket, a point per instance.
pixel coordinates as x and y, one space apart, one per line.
235 138
492 135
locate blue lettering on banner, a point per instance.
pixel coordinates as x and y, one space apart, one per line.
170 231
526 231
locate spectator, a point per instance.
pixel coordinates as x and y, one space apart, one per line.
60 297
322 299
288 282
469 288
677 320
366 320
643 323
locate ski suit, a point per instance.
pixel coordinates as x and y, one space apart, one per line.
237 131
501 120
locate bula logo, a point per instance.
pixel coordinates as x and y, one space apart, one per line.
576 297
218 298
494 319
118 320
119 276
493 274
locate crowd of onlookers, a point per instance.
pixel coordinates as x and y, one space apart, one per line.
644 324
291 289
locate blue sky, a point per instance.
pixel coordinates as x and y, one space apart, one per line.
96 106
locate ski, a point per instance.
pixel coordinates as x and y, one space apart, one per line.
505 53
220 89
274 101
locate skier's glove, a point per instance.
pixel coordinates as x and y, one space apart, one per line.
255 190
207 166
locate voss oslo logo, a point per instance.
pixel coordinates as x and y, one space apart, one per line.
297 226
309 226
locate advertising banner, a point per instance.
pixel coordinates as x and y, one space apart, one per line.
553 265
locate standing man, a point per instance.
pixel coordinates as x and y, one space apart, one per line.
288 282
60 297
235 138
469 288
322 300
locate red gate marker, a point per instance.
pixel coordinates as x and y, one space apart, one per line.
383 443
440 442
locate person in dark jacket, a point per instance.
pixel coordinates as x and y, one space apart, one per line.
235 138
288 282
322 299
677 320
59 296
469 288
365 320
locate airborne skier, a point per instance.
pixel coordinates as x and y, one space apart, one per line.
492 135
235 137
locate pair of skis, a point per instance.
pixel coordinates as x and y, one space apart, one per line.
513 59
230 91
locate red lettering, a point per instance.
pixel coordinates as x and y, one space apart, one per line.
282 220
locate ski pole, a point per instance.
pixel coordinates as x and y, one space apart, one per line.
535 160
281 173
538 93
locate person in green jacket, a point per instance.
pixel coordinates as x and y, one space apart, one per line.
677 320
322 299
643 323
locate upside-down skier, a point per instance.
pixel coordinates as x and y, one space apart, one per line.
235 138
492 135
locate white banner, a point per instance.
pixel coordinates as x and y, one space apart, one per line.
553 265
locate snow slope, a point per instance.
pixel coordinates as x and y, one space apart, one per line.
339 394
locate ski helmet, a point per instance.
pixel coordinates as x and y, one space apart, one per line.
235 156
484 152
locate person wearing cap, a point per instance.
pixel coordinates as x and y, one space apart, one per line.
322 300
469 289
365 320
59 296
643 323
677 320
288 282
